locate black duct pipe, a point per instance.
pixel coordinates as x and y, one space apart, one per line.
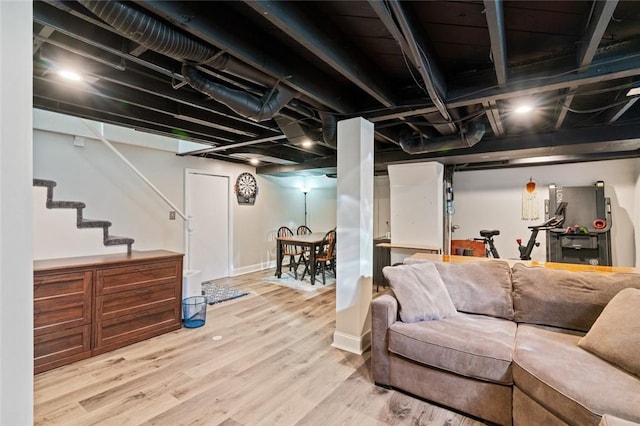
240 101
329 128
161 38
445 143
150 32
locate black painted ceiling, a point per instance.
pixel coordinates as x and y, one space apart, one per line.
431 75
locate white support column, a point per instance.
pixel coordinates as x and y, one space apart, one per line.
355 235
16 213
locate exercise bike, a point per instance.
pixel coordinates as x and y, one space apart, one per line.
556 221
487 238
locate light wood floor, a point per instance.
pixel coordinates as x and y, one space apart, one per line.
273 366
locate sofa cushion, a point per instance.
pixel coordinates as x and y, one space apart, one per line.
573 384
474 346
615 336
562 298
420 292
480 287
608 420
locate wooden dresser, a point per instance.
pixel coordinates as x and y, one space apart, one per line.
84 306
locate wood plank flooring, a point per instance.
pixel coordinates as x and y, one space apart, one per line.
274 365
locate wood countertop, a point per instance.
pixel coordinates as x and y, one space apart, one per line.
101 259
410 247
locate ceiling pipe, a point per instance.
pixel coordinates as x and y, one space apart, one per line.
414 51
329 128
252 107
161 38
445 143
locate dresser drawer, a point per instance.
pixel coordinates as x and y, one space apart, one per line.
61 301
121 330
113 305
61 347
113 280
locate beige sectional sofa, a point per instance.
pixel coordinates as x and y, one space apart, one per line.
501 343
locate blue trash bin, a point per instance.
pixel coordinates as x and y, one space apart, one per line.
194 311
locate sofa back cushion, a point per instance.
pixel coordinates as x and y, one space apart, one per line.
565 299
482 287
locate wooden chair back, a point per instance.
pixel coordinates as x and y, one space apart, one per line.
303 230
288 249
327 247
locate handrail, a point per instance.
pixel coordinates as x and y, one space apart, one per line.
138 172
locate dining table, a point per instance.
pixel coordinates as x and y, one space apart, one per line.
311 241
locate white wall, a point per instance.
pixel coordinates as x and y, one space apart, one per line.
636 217
94 175
492 199
416 204
381 206
16 267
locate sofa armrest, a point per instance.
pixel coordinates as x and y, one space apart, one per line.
384 312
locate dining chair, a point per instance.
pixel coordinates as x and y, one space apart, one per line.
303 230
290 250
304 257
326 256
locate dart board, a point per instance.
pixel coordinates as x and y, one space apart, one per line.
246 189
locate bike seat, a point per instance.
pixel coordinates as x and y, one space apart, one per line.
489 233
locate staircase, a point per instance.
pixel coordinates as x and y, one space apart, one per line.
82 223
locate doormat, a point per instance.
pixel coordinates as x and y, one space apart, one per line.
219 293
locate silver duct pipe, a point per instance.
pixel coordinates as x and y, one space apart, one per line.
445 143
161 38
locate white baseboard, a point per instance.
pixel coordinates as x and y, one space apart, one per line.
252 268
350 343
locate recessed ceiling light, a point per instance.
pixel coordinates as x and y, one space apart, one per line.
70 75
254 161
307 144
523 109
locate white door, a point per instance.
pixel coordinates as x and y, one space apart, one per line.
208 206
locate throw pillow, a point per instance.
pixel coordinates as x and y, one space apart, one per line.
420 291
615 336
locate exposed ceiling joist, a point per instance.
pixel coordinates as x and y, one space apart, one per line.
495 21
493 115
602 12
304 78
514 89
420 60
300 27
598 22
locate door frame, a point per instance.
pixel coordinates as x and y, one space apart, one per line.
186 189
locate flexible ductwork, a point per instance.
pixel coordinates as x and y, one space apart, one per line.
149 32
296 133
245 104
445 143
161 38
329 128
